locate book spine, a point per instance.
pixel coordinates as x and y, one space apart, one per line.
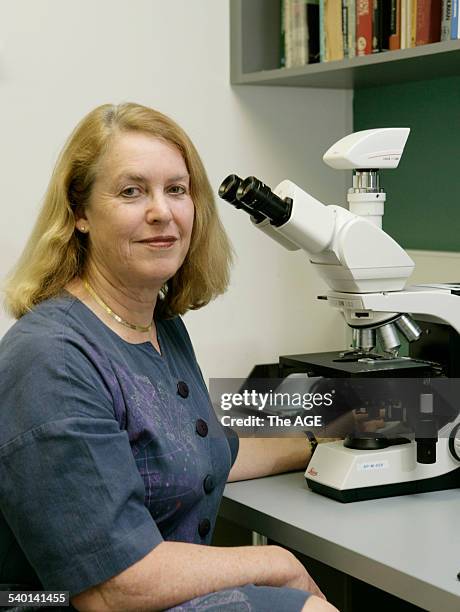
446 19
283 34
408 23
363 27
376 26
413 24
313 31
428 21
306 40
351 28
404 24
395 25
454 22
295 32
333 27
322 33
302 33
345 28
288 32
423 22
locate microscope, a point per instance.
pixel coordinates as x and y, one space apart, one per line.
418 447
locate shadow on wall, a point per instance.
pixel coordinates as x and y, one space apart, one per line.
293 127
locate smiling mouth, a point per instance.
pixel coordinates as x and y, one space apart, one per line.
161 242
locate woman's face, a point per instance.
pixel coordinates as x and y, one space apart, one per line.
140 213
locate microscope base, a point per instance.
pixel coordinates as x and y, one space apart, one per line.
438 483
348 475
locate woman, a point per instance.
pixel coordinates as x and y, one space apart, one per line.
112 463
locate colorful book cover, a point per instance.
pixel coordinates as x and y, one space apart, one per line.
322 33
428 22
413 24
333 30
394 41
363 27
376 33
454 22
351 28
345 28
446 19
404 23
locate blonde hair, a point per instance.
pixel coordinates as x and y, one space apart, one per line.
55 253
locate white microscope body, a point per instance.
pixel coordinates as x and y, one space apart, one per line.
366 271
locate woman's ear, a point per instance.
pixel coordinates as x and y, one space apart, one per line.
81 222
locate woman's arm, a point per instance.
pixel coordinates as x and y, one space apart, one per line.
175 572
259 457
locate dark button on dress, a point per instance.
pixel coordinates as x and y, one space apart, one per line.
204 527
208 484
182 389
201 428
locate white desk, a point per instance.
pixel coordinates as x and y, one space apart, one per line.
408 546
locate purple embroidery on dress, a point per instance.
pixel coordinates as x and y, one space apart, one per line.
161 431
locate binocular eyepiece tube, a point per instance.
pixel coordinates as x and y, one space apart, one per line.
255 198
228 190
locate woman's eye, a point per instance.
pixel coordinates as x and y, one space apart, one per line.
130 192
177 190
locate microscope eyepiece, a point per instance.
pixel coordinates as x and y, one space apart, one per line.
228 190
258 197
229 187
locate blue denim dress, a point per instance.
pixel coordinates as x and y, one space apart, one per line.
107 449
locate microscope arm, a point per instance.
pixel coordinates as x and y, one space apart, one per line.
437 305
349 252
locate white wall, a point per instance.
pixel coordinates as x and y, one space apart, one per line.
59 59
435 267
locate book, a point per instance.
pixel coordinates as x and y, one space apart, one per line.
428 22
351 28
376 5
283 34
454 33
345 27
299 35
394 41
446 19
406 23
381 20
333 30
299 32
403 31
322 34
295 35
412 38
287 33
312 15
363 27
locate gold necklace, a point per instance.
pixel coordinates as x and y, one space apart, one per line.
109 311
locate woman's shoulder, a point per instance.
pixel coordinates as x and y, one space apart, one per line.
50 372
54 323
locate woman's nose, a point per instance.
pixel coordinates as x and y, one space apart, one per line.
158 209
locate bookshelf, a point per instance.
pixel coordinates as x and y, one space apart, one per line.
255 50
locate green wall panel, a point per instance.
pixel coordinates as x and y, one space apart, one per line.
423 193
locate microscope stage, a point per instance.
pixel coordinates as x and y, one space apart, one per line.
330 365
